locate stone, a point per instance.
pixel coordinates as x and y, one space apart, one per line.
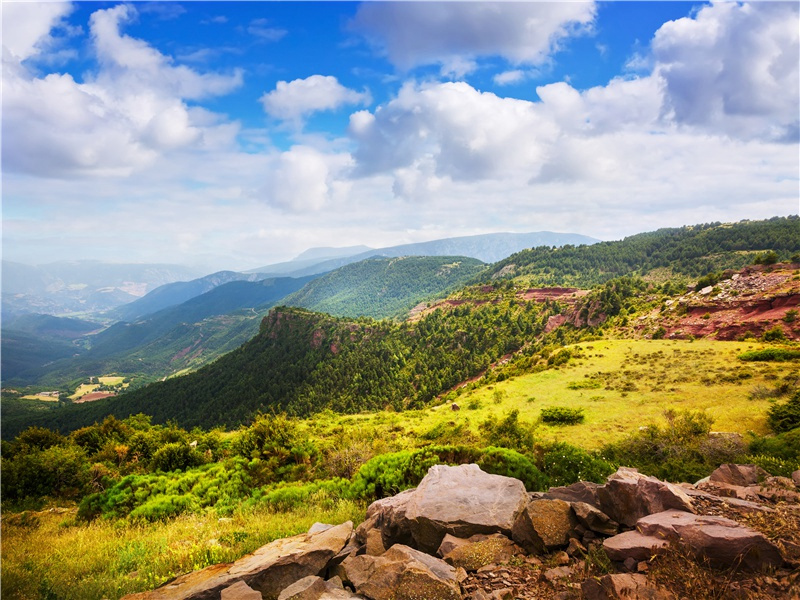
796 477
544 525
633 544
561 558
742 475
462 501
374 545
556 573
628 496
402 573
581 491
478 551
778 483
725 543
728 490
268 570
388 515
575 547
316 588
623 585
594 519
240 591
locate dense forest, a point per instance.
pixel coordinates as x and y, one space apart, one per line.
689 251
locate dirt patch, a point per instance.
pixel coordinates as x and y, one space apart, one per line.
91 397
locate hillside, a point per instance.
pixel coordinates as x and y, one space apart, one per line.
685 253
385 287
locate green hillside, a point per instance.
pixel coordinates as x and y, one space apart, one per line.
385 287
688 252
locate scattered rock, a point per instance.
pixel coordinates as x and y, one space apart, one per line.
593 519
240 591
725 543
741 475
557 573
623 585
628 496
796 477
544 525
478 551
316 588
633 544
402 573
462 501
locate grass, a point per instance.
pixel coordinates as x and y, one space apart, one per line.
111 380
42 397
83 389
621 385
49 555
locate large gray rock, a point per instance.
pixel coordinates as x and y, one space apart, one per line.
403 573
725 543
623 585
544 525
268 570
635 545
741 475
628 496
462 501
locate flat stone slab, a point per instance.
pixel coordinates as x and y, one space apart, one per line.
635 545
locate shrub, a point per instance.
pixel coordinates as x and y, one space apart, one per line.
785 446
771 464
178 455
61 471
561 415
784 416
508 432
771 354
790 316
502 461
774 335
564 464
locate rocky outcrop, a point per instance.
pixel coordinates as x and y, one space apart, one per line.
463 534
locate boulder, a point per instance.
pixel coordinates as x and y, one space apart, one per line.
628 496
796 477
403 573
316 588
462 501
623 585
581 491
388 515
741 475
476 552
728 490
593 519
544 525
725 543
268 570
240 591
635 545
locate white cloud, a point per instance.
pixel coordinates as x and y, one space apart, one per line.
419 33
27 27
260 29
118 120
509 77
733 69
294 100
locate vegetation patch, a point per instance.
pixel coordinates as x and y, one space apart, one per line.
771 354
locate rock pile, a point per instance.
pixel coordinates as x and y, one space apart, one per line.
463 534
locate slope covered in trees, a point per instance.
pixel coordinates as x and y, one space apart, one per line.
385 287
690 251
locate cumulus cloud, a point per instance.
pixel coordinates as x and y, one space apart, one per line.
118 120
27 27
733 69
509 77
294 100
420 33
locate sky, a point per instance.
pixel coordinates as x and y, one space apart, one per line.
232 135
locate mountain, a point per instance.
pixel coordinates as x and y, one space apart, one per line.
172 294
80 286
309 258
688 252
384 287
488 248
176 338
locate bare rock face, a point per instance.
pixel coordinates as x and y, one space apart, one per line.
741 475
240 591
635 545
268 570
388 515
403 573
476 552
594 519
462 501
544 525
628 496
623 585
723 542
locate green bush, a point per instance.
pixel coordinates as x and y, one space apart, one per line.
562 415
774 335
771 464
784 416
172 457
564 464
771 354
508 432
502 461
784 446
56 471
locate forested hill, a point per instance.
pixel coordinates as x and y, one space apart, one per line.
385 287
690 251
303 362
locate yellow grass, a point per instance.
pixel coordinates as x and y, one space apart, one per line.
111 380
83 389
41 397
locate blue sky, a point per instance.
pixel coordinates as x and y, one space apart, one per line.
236 134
